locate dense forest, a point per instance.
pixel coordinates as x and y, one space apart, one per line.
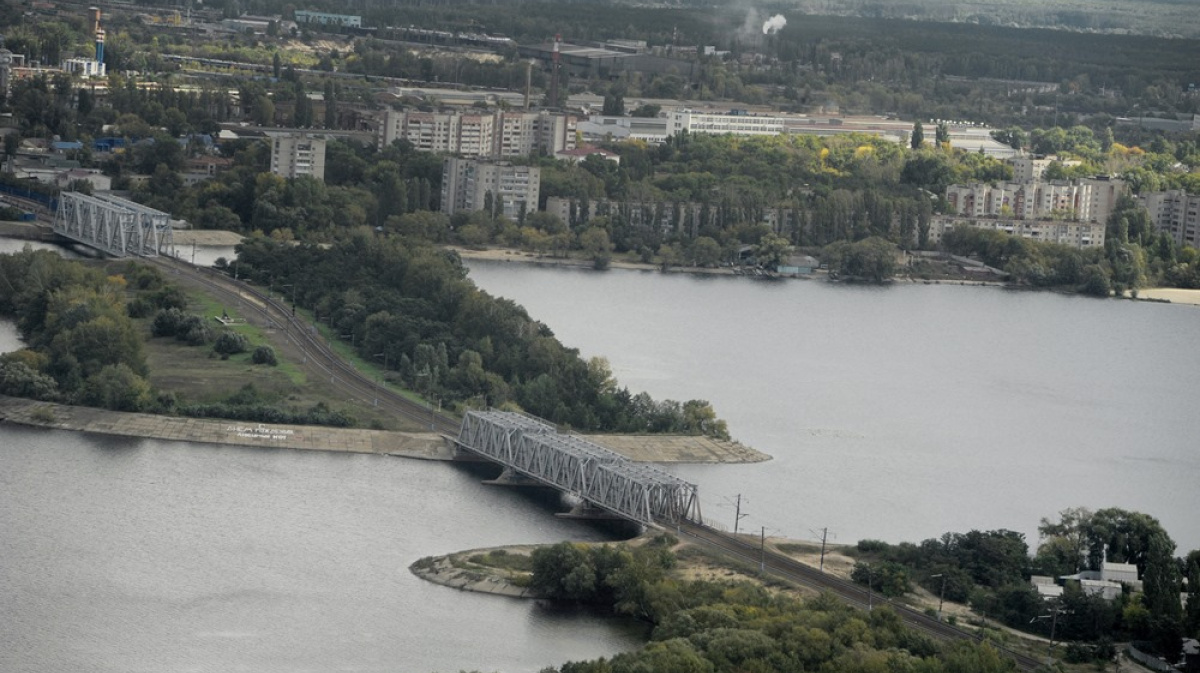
408 305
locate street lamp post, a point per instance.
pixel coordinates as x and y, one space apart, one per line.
941 594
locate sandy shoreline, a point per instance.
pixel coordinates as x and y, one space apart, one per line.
1173 295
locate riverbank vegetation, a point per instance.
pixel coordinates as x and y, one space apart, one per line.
991 571
87 326
408 306
731 626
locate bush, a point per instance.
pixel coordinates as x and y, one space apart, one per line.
264 355
139 308
888 578
872 546
166 322
231 343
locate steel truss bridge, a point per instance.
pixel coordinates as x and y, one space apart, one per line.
597 476
116 226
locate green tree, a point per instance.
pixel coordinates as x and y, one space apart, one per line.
918 136
1064 542
596 244
1192 616
772 251
1161 584
706 251
942 134
116 387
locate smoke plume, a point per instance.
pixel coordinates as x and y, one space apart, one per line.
774 24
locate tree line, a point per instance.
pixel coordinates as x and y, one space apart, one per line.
990 570
734 626
408 306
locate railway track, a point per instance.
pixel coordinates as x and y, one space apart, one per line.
317 354
849 592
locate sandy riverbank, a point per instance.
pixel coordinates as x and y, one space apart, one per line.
1172 294
206 237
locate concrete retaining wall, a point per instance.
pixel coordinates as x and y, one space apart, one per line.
427 446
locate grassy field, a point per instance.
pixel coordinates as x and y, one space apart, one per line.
195 374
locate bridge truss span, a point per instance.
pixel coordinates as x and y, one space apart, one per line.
116 226
598 476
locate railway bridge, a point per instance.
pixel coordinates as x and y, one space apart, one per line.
112 225
534 449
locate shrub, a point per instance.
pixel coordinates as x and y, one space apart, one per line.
43 415
166 322
264 355
139 308
231 343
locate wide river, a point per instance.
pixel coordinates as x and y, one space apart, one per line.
144 556
906 411
896 413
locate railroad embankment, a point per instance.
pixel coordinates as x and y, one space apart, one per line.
27 231
427 446
422 445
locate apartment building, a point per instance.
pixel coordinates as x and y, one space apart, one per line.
298 154
1175 213
1074 234
1084 200
467 184
1031 169
480 134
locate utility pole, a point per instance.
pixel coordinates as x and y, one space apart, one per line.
824 537
737 515
1053 617
941 594
762 551
870 589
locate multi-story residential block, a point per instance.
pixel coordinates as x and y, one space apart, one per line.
1085 200
298 154
472 184
483 135
1074 234
1175 213
1031 169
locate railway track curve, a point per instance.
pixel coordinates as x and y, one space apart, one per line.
790 569
318 356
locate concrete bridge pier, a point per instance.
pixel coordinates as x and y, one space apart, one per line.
510 477
587 511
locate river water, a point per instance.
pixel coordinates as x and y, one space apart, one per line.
896 413
145 556
901 412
